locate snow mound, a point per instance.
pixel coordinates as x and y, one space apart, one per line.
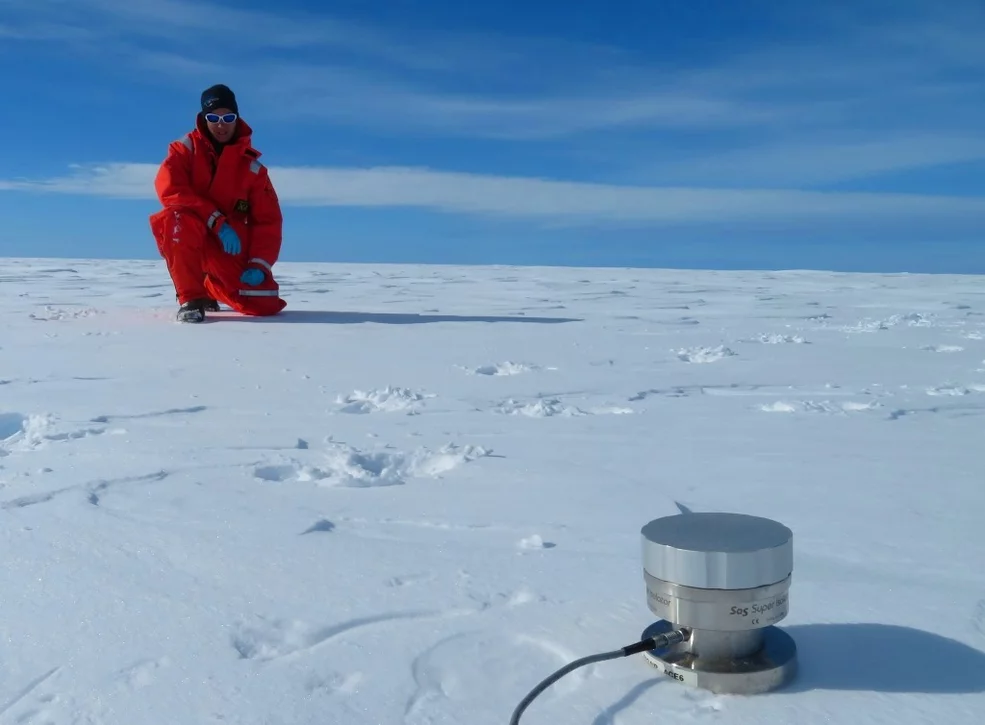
347 466
703 354
913 319
536 541
32 432
390 399
778 339
540 408
505 368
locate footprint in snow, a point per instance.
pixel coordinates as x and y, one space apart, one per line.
294 471
334 683
143 674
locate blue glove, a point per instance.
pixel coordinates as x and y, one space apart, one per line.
252 276
229 238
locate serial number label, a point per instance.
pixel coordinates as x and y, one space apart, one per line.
762 613
687 678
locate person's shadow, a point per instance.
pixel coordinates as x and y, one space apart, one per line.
341 317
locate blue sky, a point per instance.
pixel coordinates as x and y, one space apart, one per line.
707 133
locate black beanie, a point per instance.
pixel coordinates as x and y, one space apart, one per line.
218 96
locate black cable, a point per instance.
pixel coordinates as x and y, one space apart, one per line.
557 676
644 645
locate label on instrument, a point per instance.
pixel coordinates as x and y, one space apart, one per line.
687 677
761 614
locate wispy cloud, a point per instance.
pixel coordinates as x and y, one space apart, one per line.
375 102
461 83
820 162
866 88
875 89
45 32
185 23
547 200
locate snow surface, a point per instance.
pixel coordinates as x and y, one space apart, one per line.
420 490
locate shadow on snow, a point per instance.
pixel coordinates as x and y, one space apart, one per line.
341 317
884 658
861 657
866 657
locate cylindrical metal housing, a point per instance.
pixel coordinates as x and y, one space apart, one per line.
722 609
724 577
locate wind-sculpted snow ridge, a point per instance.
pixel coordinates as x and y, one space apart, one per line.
818 406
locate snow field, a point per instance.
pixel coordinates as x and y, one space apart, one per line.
419 491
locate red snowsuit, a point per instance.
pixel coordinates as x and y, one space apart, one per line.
200 190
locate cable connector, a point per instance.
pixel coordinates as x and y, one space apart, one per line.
661 640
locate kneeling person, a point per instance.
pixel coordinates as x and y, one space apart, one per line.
220 230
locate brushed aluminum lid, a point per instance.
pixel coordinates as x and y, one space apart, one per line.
717 550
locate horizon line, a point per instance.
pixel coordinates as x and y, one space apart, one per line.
521 265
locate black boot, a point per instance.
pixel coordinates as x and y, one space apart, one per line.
192 311
208 304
